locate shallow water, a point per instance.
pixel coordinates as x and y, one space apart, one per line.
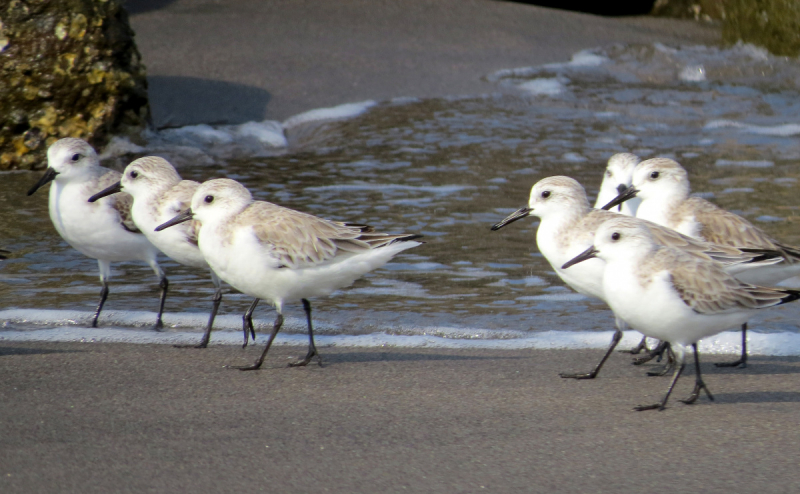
449 169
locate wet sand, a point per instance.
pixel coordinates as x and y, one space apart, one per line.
241 60
139 418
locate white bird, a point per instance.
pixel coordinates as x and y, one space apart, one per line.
159 194
663 187
617 178
103 230
567 227
668 294
282 255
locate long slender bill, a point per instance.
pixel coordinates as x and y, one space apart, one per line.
583 256
4 253
516 215
623 196
48 176
117 187
184 216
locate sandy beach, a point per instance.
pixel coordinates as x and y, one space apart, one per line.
140 418
95 417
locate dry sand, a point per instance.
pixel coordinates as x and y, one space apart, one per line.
106 418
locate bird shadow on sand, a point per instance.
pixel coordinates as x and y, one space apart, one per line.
7 351
357 357
759 397
758 365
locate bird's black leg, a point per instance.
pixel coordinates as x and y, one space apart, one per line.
247 322
593 373
103 297
658 351
742 362
276 326
207 335
698 381
667 367
312 348
164 284
681 363
642 346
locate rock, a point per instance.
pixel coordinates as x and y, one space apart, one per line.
773 24
69 68
699 10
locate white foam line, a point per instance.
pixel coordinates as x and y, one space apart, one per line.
785 130
776 344
347 110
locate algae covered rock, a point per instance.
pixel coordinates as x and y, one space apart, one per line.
773 24
68 68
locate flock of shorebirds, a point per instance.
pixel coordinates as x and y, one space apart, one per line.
672 266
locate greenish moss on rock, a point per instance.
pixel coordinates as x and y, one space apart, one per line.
69 68
773 24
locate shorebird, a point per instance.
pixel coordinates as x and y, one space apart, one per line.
618 177
663 187
671 295
103 230
568 226
159 194
282 255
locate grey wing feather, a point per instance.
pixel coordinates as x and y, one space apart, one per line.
299 239
707 289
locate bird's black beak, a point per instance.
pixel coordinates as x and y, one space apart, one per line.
583 256
117 187
623 196
621 188
184 216
48 176
3 253
516 215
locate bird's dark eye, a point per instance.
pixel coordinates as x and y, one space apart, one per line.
209 199
608 173
654 175
134 174
615 236
76 157
545 194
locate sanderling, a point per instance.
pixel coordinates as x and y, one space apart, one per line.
668 294
159 194
282 255
618 177
103 230
663 187
567 228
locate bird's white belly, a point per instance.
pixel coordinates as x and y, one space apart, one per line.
94 229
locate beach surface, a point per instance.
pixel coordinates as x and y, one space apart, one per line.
90 417
96 417
235 61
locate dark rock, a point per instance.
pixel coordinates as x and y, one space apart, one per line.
69 68
699 10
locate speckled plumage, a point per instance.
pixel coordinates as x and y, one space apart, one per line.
666 201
